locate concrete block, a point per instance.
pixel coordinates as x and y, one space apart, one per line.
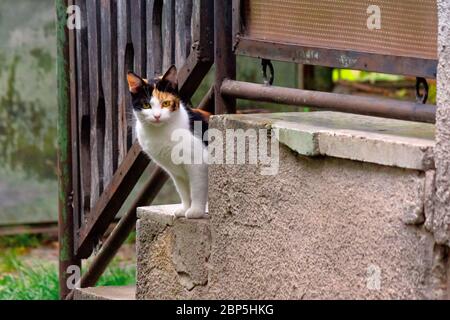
327 227
172 254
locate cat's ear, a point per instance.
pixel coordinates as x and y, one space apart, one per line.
171 76
135 83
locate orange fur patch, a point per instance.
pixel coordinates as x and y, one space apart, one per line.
165 96
204 114
134 83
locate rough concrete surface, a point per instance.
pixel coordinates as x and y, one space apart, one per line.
441 218
172 254
322 228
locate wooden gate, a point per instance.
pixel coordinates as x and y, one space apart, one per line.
99 160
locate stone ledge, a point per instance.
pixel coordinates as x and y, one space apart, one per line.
388 142
106 293
163 214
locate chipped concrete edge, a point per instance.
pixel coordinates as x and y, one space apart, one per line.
316 141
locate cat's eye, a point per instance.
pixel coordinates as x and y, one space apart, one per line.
146 106
166 104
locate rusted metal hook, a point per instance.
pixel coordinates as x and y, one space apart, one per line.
421 83
264 64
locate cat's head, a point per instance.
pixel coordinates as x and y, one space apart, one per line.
155 101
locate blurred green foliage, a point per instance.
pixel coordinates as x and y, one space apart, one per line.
40 281
249 69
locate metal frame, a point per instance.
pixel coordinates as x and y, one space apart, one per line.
227 89
336 58
297 53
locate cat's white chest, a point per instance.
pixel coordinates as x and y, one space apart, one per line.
158 145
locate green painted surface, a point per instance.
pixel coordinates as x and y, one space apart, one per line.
28 111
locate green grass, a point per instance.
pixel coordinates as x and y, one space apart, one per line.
40 281
20 241
37 283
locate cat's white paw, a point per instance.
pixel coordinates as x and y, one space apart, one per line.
180 212
195 214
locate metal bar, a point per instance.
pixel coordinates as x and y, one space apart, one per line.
65 179
123 229
381 107
225 59
112 199
336 58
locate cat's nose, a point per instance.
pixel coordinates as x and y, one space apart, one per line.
157 116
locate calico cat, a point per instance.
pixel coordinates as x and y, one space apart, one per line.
159 113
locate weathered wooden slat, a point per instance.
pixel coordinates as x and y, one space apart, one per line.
112 200
201 55
84 117
237 21
202 28
168 31
138 35
183 18
95 96
124 64
108 23
154 38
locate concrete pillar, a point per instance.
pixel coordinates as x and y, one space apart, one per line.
441 219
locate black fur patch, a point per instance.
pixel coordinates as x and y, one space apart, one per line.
143 96
196 118
165 86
